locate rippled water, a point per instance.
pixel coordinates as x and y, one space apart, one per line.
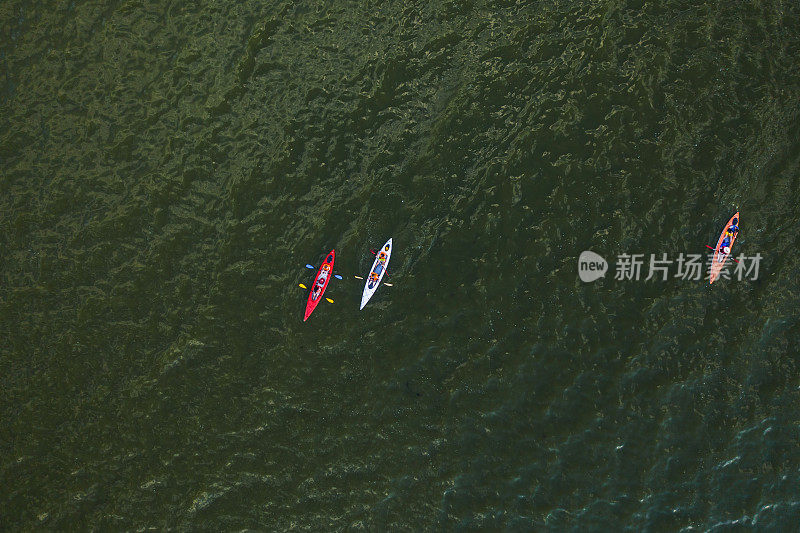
168 169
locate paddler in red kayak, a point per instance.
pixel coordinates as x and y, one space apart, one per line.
320 282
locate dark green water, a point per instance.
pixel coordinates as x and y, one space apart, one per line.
168 168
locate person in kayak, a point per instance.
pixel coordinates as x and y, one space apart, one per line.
733 229
725 247
320 282
318 287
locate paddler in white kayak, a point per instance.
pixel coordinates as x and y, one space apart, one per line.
375 276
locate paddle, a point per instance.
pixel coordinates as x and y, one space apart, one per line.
712 248
304 287
337 276
387 284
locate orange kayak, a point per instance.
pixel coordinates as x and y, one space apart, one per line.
719 257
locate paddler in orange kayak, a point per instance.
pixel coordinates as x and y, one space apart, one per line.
730 233
733 229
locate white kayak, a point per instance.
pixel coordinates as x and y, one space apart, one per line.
376 272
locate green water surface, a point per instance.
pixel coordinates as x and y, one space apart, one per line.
168 168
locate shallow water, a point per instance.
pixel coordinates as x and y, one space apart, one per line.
167 170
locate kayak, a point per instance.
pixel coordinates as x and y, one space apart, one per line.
719 257
324 275
376 273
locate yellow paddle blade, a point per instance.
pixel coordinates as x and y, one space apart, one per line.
388 284
329 300
302 286
358 277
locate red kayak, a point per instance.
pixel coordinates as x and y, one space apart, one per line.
324 275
